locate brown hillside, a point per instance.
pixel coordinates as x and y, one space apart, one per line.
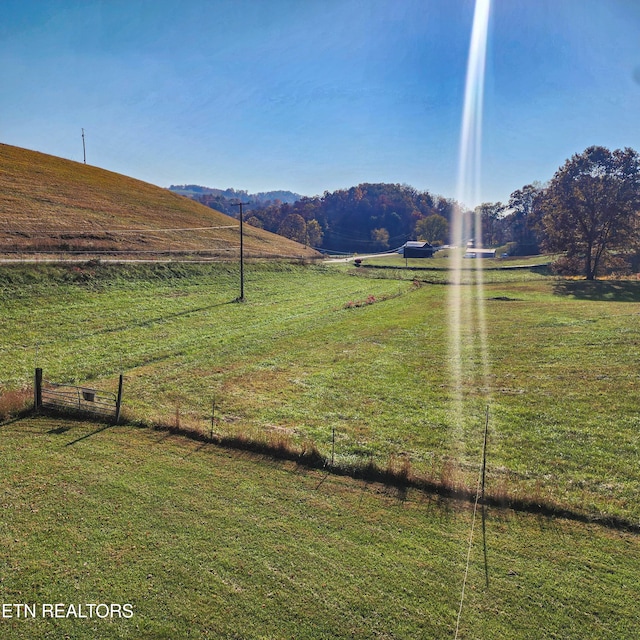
51 205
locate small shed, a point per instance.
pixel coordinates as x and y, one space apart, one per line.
416 249
473 252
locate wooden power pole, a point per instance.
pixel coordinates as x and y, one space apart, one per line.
241 298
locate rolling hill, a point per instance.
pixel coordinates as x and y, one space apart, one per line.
51 205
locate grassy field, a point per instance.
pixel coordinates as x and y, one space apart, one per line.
206 543
363 352
441 261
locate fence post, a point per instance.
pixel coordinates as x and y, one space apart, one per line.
37 390
333 445
119 400
484 453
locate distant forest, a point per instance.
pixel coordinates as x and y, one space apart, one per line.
371 217
366 218
223 199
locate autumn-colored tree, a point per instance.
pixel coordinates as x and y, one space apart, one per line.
255 222
294 227
314 233
381 238
591 205
434 229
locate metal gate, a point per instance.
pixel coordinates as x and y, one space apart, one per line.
71 398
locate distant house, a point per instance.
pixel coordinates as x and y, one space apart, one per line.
473 252
416 249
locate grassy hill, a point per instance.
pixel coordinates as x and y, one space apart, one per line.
48 204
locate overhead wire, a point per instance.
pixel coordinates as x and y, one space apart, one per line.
91 231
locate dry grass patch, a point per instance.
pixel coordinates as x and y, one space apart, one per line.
15 402
52 205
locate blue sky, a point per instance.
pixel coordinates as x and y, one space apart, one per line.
315 95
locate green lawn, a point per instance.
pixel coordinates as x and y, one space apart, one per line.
441 261
306 355
206 543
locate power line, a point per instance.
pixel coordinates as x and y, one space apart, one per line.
92 231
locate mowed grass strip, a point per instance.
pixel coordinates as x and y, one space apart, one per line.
315 351
208 543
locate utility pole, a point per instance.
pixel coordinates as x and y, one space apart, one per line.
84 150
241 298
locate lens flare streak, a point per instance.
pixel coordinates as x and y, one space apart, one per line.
468 328
468 331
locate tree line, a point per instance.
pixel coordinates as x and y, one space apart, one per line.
589 212
365 218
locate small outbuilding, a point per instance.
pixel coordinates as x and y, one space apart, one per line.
473 252
416 249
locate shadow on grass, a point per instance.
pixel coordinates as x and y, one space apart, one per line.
16 417
156 320
88 435
600 290
79 417
541 269
324 477
369 472
59 430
